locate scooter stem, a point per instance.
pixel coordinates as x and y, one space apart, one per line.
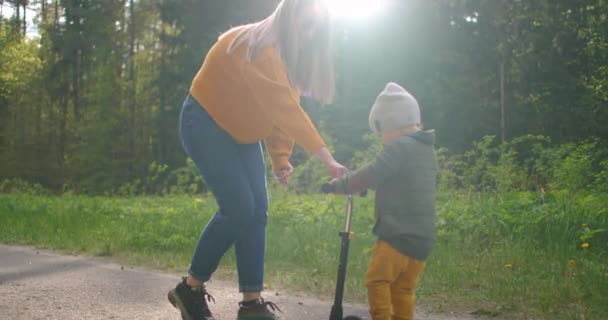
336 309
349 213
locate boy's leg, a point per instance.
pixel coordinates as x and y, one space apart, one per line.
383 270
403 290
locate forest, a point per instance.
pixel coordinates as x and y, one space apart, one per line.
90 101
516 91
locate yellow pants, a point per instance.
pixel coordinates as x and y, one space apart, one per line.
391 282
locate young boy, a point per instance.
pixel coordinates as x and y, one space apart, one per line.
404 176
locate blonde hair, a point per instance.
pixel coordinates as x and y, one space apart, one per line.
309 66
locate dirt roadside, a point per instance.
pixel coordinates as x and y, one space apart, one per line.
39 284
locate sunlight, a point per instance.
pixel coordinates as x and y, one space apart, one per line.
355 9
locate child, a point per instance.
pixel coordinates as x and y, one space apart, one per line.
404 176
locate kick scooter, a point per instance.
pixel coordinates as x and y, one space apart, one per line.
346 235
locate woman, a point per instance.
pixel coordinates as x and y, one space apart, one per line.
246 92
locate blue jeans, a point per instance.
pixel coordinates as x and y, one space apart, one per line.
236 175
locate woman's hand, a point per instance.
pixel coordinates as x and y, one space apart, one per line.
282 174
334 168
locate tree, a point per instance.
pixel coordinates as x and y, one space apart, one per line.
95 100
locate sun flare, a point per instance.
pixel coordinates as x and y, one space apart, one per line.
355 9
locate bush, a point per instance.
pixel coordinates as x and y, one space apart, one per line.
21 186
185 180
526 163
309 177
579 166
159 180
601 179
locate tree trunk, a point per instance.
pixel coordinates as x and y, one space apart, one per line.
24 17
18 16
76 84
132 93
502 102
43 8
62 137
56 22
162 96
3 124
38 125
161 105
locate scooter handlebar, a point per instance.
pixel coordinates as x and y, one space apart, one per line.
329 188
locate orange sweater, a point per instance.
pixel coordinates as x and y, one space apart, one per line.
254 100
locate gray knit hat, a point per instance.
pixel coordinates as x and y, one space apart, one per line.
394 108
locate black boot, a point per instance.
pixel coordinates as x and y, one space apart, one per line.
257 310
191 301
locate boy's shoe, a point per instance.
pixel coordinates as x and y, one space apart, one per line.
257 310
191 301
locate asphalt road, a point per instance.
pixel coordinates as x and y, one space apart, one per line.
38 284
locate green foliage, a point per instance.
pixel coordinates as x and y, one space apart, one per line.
74 118
525 163
186 180
19 64
310 174
156 177
363 157
20 68
528 250
95 100
130 189
159 180
542 255
601 180
579 166
20 186
309 177
543 219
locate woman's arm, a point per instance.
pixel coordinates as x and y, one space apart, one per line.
280 147
280 103
334 168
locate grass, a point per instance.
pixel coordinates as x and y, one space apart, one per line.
515 255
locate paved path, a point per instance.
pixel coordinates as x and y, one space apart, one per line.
37 284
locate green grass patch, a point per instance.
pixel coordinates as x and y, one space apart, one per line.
515 255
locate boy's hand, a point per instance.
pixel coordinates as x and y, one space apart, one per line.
282 174
330 187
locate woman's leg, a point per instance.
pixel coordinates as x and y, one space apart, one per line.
220 161
251 243
235 173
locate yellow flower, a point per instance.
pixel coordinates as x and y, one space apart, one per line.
508 266
585 245
571 263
